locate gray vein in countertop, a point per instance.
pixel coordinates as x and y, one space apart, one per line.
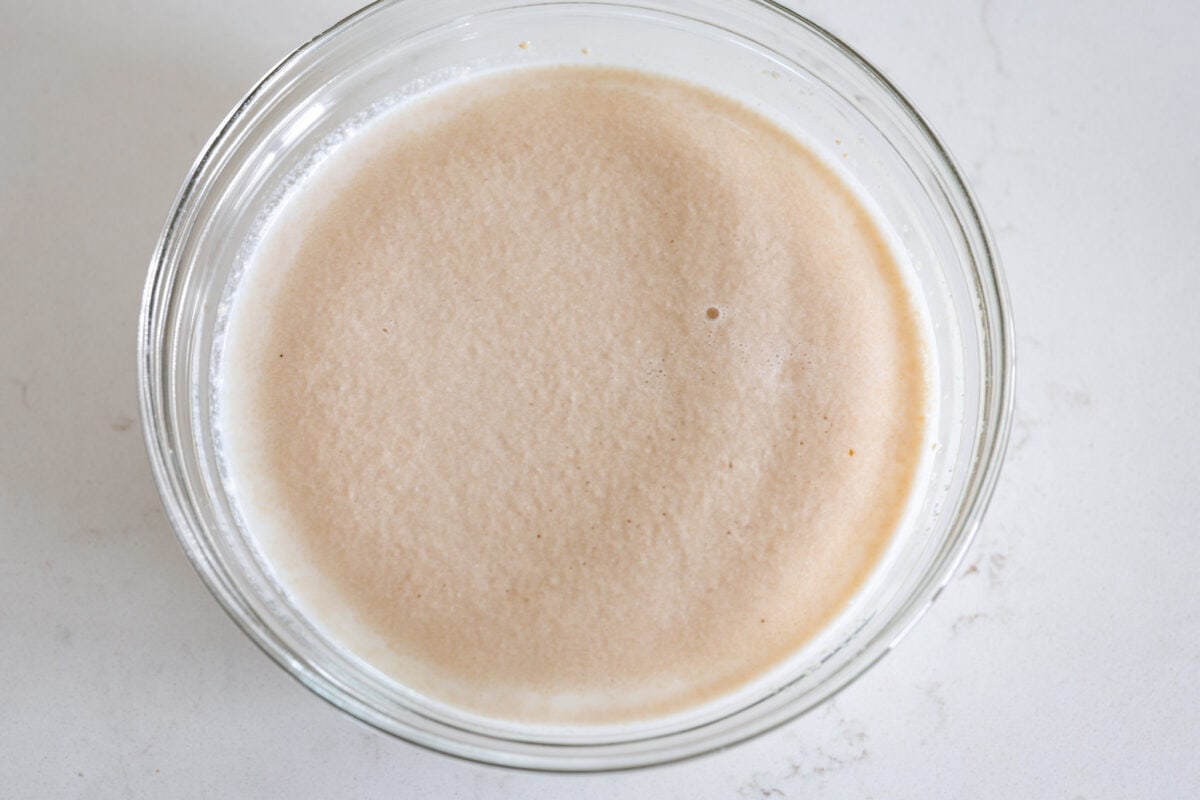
985 8
23 385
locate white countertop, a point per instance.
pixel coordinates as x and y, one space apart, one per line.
1062 662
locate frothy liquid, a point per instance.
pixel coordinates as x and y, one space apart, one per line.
572 395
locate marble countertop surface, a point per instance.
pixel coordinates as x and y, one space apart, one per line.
1061 662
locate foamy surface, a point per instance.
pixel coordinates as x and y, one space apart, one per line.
572 395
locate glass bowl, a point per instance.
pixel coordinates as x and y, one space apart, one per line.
756 51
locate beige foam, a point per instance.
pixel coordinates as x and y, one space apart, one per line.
573 395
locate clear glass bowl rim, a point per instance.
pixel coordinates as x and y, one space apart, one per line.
996 404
